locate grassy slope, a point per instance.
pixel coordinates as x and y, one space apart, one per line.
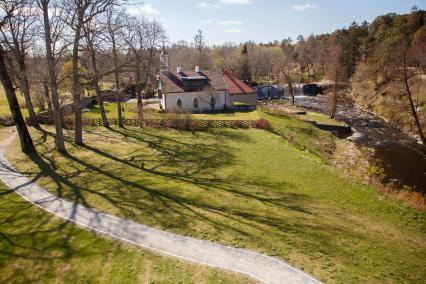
305 136
247 188
36 247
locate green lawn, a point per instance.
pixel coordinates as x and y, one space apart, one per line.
237 115
36 247
320 118
304 135
245 188
129 111
4 106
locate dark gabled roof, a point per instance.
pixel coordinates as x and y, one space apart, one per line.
172 82
236 86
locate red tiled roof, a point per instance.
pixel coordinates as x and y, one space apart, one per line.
171 81
236 86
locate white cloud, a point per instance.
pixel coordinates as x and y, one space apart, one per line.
208 5
229 23
233 31
235 2
303 7
145 9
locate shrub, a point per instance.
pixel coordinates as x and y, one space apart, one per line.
180 120
263 124
237 124
187 119
149 91
197 125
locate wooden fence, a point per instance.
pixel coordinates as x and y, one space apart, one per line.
158 123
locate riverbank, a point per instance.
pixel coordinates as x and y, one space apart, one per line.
376 153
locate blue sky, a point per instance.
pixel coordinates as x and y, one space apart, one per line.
263 20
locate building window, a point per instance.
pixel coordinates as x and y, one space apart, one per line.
179 103
196 102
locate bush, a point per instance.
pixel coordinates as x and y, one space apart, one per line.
130 89
149 91
263 124
180 120
237 124
197 125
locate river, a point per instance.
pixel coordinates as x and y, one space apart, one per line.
399 155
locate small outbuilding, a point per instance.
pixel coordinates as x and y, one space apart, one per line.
241 96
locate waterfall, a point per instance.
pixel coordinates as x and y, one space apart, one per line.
298 90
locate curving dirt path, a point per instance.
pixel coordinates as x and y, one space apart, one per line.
258 266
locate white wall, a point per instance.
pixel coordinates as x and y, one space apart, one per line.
169 101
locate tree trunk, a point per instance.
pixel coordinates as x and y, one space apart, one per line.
27 145
47 96
139 91
291 92
117 82
138 84
148 68
76 88
413 108
59 139
97 88
25 87
290 86
336 93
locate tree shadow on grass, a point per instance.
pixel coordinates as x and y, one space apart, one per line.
178 184
33 241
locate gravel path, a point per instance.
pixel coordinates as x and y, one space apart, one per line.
261 267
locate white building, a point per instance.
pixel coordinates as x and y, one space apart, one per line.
202 90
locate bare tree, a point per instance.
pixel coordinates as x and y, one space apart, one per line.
156 39
135 34
92 30
414 53
81 12
200 44
113 28
406 78
287 71
53 29
335 70
7 11
17 36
